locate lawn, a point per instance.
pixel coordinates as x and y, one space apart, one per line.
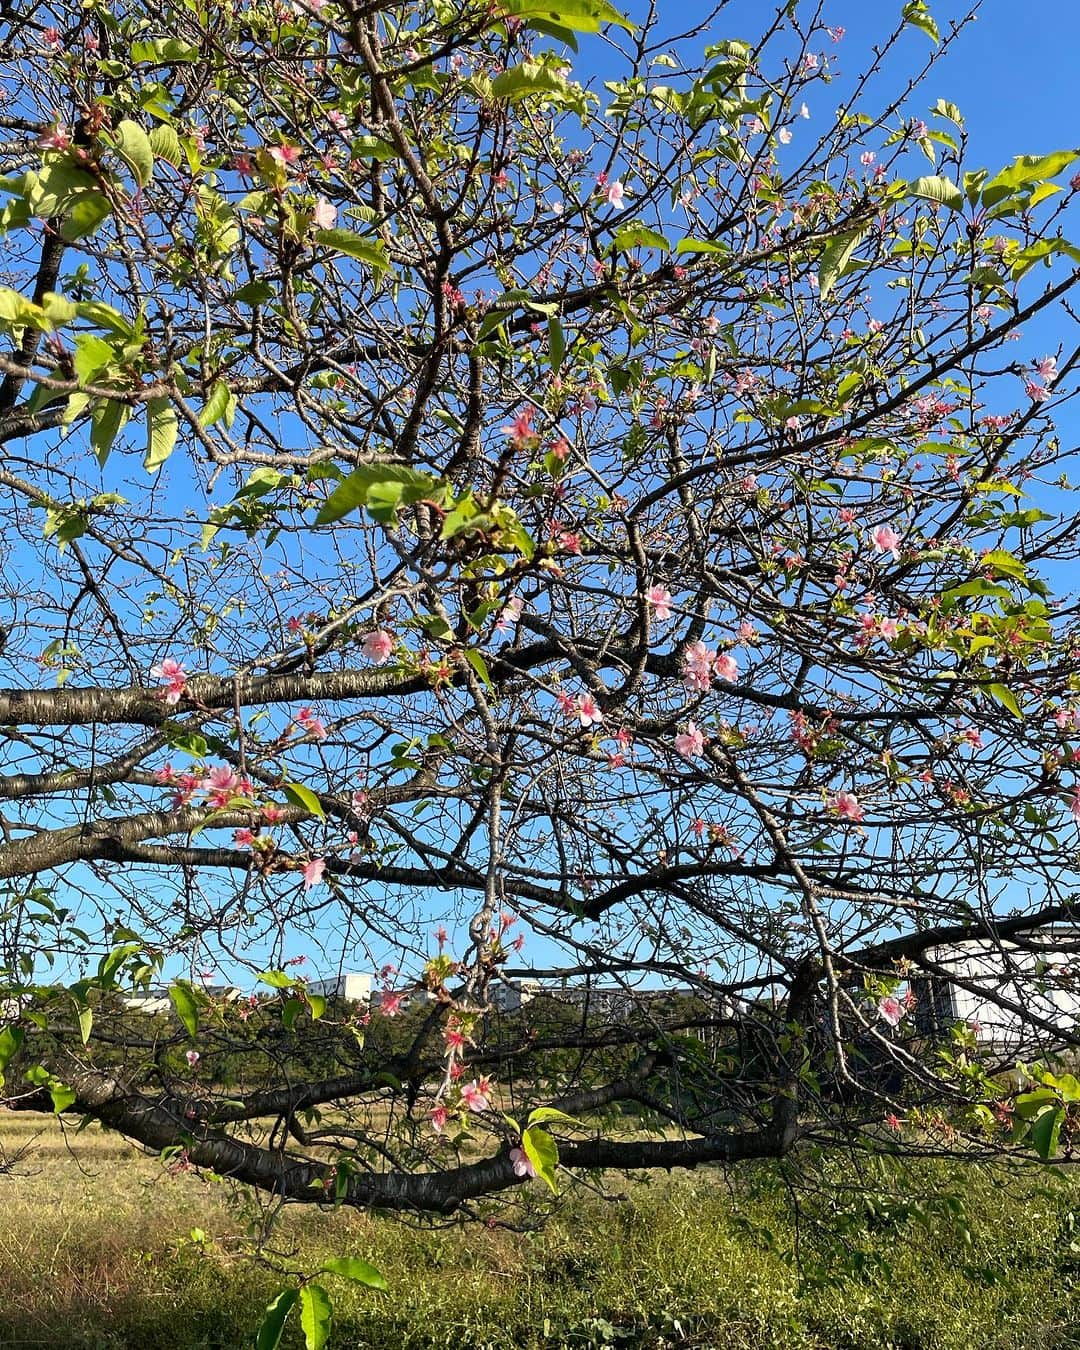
101 1248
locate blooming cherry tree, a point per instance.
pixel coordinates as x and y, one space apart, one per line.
523 534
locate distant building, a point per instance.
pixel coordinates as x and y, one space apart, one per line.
352 986
510 996
1016 993
154 1000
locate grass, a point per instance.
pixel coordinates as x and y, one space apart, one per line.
96 1253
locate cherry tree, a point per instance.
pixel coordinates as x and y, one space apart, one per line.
497 491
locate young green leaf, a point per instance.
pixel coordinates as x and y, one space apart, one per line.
316 1315
835 259
543 1153
182 997
161 429
273 1323
355 1269
134 148
304 798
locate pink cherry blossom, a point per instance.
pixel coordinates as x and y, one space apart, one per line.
698 662
56 138
390 1003
324 214
891 1010
1046 369
659 597
616 195
192 1058
690 742
243 838
886 540
1074 806
439 1118
314 726
313 872
221 778
726 667
175 676
588 711
378 647
285 154
522 1163
475 1095
510 613
847 805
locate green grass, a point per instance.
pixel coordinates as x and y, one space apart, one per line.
95 1254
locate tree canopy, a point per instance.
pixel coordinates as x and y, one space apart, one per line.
498 490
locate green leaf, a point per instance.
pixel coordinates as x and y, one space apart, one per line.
476 660
84 215
164 51
217 405
290 1012
273 1323
277 979
161 430
354 1269
638 236
182 997
356 490
10 1040
111 963
165 144
106 421
305 799
700 246
556 343
18 312
918 16
542 1114
938 189
1045 1131
86 1023
1002 561
92 355
834 260
134 148
1002 694
316 1005
583 16
943 108
530 79
354 246
62 1095
1024 170
543 1153
316 1314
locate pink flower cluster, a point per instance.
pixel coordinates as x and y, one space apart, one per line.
175 677
378 647
701 663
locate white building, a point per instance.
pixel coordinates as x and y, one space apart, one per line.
153 1001
1019 995
510 996
351 985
